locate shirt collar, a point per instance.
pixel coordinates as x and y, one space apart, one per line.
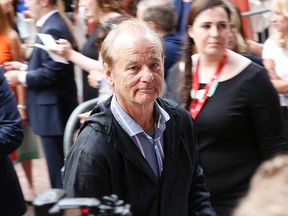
43 19
129 125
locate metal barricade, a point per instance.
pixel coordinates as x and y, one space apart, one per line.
249 15
73 123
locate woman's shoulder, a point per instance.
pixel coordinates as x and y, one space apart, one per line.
273 40
254 73
237 58
13 37
254 58
12 34
254 70
236 63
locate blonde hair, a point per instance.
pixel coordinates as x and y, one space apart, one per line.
282 5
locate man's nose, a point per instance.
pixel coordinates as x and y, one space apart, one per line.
147 74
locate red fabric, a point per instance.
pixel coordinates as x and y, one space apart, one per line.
90 26
5 50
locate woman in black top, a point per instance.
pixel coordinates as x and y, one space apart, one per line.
234 104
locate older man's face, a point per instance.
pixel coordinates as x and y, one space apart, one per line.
138 72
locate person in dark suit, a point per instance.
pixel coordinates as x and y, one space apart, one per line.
135 144
11 134
51 93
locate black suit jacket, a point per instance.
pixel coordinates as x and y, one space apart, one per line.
104 160
11 198
51 89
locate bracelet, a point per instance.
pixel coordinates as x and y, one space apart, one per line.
98 82
21 107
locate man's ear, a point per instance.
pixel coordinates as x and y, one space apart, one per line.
108 74
153 25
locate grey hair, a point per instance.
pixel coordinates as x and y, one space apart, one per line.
132 26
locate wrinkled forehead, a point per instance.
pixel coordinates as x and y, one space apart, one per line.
138 44
141 56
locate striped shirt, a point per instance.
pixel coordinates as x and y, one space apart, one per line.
150 147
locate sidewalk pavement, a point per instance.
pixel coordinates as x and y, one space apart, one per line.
40 178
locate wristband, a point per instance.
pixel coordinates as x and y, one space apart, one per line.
21 107
98 82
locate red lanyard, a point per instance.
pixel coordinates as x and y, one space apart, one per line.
198 103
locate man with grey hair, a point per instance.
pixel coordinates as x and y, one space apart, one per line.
135 144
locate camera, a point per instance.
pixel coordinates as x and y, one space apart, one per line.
54 203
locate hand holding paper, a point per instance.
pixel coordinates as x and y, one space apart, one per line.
48 43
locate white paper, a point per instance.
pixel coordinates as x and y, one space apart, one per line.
41 46
49 42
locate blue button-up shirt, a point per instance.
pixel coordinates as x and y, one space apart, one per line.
150 147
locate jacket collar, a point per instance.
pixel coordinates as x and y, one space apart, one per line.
103 117
43 19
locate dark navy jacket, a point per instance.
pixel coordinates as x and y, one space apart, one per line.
11 198
51 93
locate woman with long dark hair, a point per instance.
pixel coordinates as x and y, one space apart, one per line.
234 105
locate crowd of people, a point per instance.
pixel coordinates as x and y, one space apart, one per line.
190 112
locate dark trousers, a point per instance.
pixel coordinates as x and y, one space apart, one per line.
53 149
285 122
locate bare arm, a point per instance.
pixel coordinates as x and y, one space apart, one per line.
94 78
15 46
280 85
86 63
20 89
255 48
65 50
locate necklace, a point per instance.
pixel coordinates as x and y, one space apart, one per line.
199 97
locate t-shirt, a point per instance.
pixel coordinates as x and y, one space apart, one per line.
272 51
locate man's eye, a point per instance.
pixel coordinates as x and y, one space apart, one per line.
133 68
154 65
